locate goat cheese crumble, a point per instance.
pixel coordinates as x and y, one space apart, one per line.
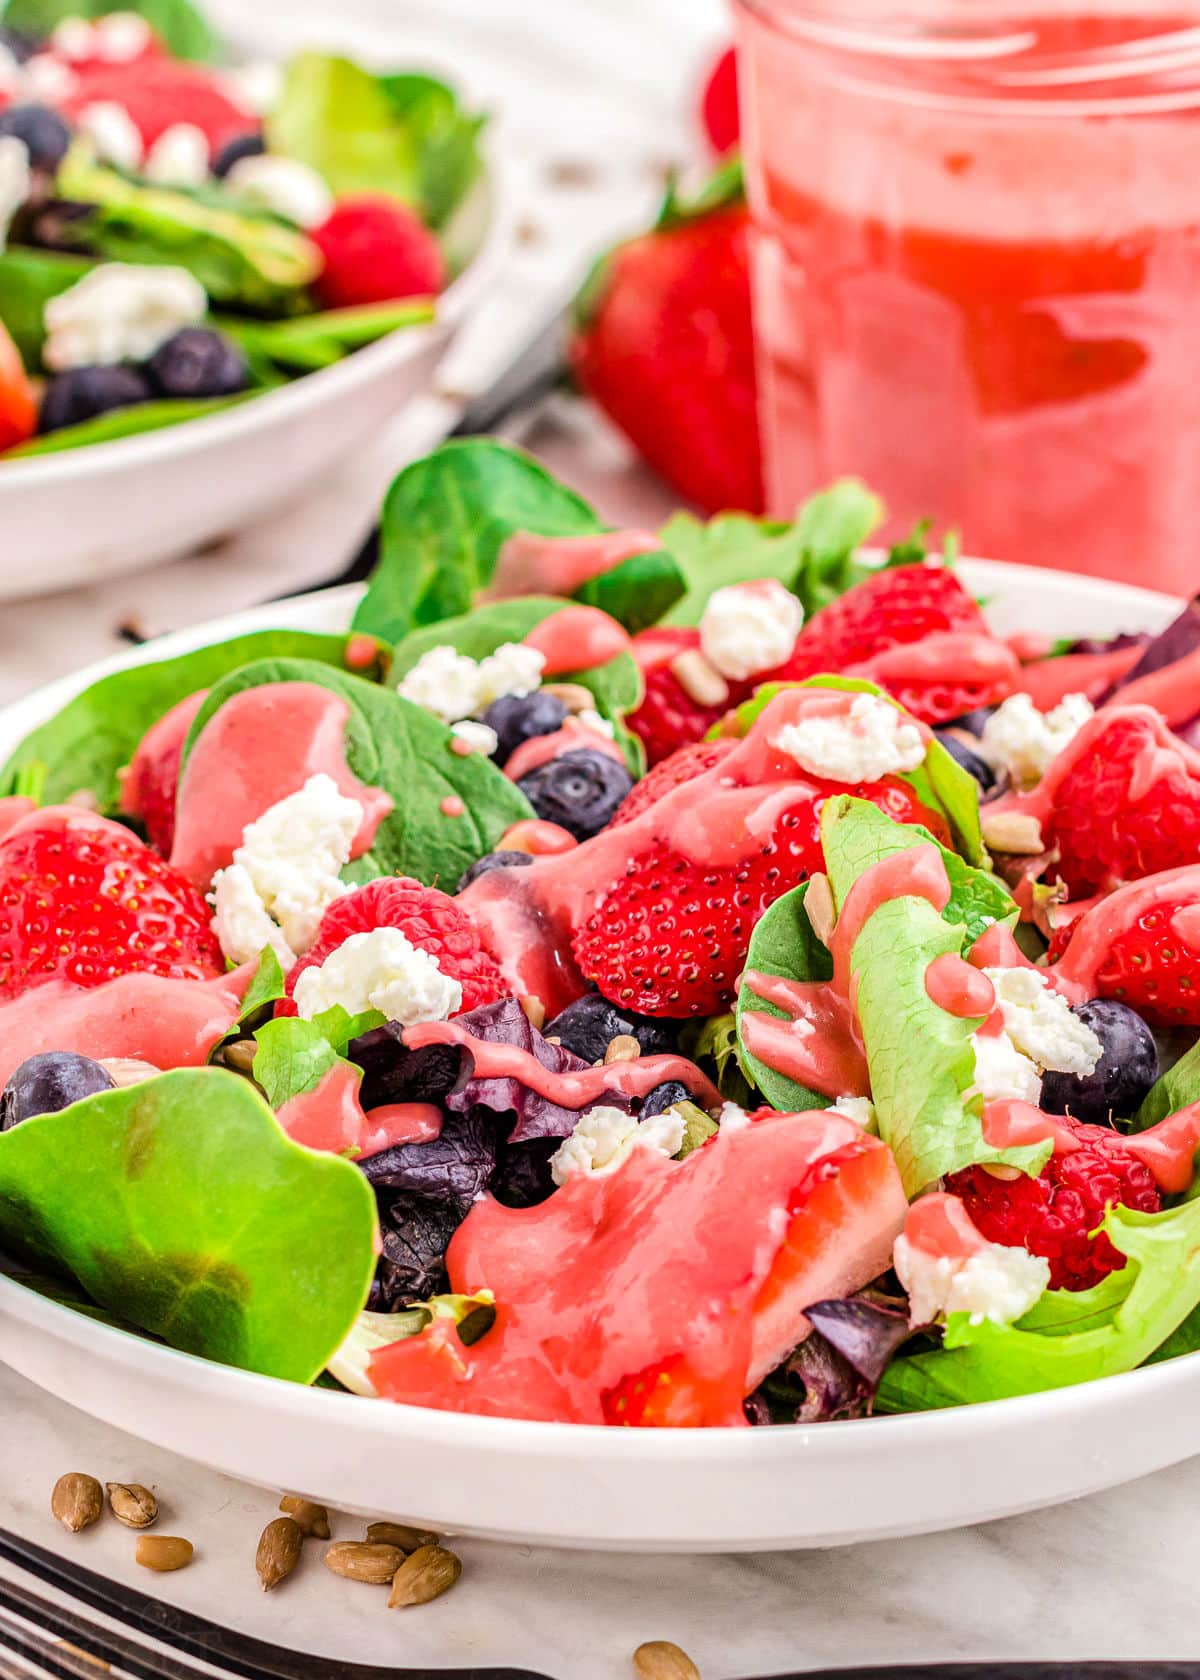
1002 1073
1022 741
453 686
114 135
290 857
749 627
14 181
478 736
996 1284
861 1110
871 739
285 186
120 312
179 157
1039 1022
604 1138
381 969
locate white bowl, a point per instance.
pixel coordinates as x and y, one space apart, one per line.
623 1489
84 514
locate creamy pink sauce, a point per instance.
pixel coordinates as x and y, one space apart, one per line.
570 1090
953 985
529 564
361 651
576 638
940 1227
161 742
1168 1149
996 947
573 736
260 747
169 1023
817 1046
1048 681
537 837
1076 974
1029 645
331 1118
461 748
949 656
450 805
1174 690
13 807
918 872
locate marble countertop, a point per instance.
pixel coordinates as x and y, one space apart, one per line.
589 109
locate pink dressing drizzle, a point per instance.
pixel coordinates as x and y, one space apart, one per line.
576 638
573 735
537 837
949 656
169 1023
260 747
1048 681
940 1227
1168 1149
331 1118
817 1047
953 985
529 564
570 1090
161 741
918 872
361 651
1174 690
450 805
1076 974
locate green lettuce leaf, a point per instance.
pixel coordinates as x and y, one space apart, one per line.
340 120
920 1058
713 1046
85 744
179 1205
392 744
180 25
446 138
306 343
28 280
782 943
1175 1089
1070 1338
118 423
293 1055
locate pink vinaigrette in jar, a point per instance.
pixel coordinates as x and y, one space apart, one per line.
977 270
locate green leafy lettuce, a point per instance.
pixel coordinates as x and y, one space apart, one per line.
1175 1089
445 137
921 1059
307 343
392 744
783 943
293 1055
713 1046
341 120
117 423
85 744
179 1205
177 23
28 281
1067 1337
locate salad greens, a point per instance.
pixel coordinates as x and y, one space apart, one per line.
28 280
305 343
86 744
293 1055
392 744
136 421
177 23
159 1218
340 120
783 943
445 137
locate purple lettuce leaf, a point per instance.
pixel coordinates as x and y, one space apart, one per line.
1180 638
414 1235
865 1333
456 1166
836 1370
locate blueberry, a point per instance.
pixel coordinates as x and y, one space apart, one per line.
490 861
578 790
970 761
973 722
47 137
519 717
18 43
83 393
589 1025
1127 1068
662 1096
197 362
46 1083
233 151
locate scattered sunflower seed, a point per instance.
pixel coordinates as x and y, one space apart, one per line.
659 1659
240 1055
311 1518
401 1534
163 1552
77 1500
132 1504
426 1574
372 1561
623 1048
278 1552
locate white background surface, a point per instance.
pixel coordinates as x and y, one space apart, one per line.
596 87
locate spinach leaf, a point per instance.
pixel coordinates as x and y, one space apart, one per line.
134 421
337 117
239 255
784 943
306 343
732 548
293 1055
444 522
832 526
95 734
28 280
638 591
265 988
177 23
1175 1089
180 1205
446 138
392 744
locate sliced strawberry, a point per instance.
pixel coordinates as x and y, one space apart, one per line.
82 899
148 784
670 716
160 92
427 918
376 249
18 406
664 1395
678 767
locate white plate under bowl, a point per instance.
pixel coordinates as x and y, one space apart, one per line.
623 1489
85 514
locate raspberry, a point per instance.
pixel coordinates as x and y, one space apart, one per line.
681 766
1055 1214
426 917
376 249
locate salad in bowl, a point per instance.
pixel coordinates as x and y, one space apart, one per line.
179 234
700 978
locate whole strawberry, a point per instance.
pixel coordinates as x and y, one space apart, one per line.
82 899
663 343
376 249
426 917
683 765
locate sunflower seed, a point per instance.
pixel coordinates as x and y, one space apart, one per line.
132 1504
364 1560
312 1519
426 1574
623 1048
659 1659
77 1500
163 1552
278 1551
400 1534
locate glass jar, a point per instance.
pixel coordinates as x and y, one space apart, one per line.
977 269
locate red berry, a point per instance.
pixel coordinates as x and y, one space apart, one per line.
683 765
148 785
1128 806
82 899
376 249
719 104
160 92
1055 1214
426 917
669 717
18 406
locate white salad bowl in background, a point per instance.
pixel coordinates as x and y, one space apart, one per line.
80 515
622 1489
